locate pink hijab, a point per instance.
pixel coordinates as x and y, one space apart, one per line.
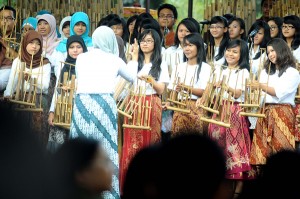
50 41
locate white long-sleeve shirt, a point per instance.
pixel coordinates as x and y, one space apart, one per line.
188 72
41 73
285 86
96 72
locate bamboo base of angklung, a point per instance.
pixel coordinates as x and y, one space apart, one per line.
176 102
29 109
136 127
125 114
220 123
178 109
251 114
249 105
62 125
210 109
22 102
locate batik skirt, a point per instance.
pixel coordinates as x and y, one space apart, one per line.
235 142
273 133
136 139
95 116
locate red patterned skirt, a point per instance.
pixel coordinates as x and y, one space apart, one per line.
297 122
235 142
273 133
136 139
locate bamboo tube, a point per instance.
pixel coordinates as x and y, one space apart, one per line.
30 90
19 90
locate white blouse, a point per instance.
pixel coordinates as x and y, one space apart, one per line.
256 63
285 86
41 73
296 54
96 71
187 73
163 77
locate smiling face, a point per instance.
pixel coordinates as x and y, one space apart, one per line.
190 50
33 47
7 20
147 44
272 55
232 56
79 28
217 30
288 30
43 27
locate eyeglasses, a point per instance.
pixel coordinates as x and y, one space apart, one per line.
146 41
273 27
287 27
215 27
9 18
166 16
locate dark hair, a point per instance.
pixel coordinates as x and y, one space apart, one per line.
116 20
241 22
9 8
196 39
295 21
104 21
67 23
151 23
284 57
131 19
170 7
73 156
195 22
180 160
189 25
140 18
155 58
244 53
225 39
229 16
278 21
257 25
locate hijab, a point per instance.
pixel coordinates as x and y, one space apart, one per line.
104 38
50 41
81 17
26 57
67 67
31 21
61 25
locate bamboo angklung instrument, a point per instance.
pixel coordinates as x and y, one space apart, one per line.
221 105
179 100
64 94
253 105
138 109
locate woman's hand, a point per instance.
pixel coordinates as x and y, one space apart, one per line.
165 105
51 119
134 51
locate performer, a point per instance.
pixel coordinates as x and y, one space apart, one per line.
31 54
235 141
193 73
75 46
149 63
94 111
277 131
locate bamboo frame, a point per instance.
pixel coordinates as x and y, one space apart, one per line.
138 108
64 93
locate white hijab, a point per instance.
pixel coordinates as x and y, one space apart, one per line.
67 18
104 38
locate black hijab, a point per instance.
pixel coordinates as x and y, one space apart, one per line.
67 67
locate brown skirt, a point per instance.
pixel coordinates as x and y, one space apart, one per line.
273 133
189 122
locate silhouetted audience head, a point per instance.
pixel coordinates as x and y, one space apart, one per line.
84 168
186 166
24 171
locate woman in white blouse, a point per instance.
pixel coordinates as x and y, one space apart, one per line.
95 111
277 131
150 65
193 73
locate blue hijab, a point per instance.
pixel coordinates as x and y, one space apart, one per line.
77 17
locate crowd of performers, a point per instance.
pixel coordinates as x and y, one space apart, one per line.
158 59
